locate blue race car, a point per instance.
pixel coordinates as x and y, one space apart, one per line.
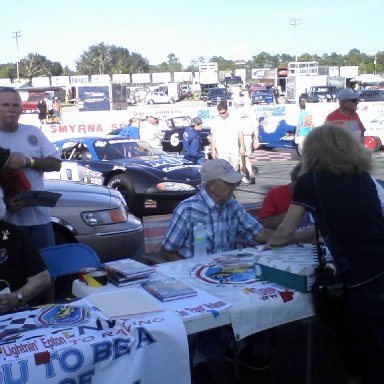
150 181
262 97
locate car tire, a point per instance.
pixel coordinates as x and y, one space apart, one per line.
299 150
151 102
171 101
124 185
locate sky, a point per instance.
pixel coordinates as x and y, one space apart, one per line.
62 31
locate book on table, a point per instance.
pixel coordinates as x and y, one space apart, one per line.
168 289
127 271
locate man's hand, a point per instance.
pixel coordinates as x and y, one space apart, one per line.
13 203
8 302
17 161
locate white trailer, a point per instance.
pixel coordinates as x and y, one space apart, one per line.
296 85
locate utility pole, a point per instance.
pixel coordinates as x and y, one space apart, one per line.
16 36
295 22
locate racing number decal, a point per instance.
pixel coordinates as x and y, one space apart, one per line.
160 162
175 140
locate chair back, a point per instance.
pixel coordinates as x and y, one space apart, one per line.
66 259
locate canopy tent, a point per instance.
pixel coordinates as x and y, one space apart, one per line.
369 78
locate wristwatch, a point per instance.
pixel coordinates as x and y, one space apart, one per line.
19 298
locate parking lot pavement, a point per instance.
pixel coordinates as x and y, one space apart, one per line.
274 167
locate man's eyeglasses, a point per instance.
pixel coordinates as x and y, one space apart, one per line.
232 185
354 101
222 112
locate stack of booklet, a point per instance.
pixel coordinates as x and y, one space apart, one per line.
168 289
127 271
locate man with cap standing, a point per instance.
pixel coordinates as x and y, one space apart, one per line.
150 132
346 115
192 142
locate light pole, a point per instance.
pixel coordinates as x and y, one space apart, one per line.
16 36
295 22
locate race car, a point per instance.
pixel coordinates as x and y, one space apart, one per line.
374 134
174 128
151 181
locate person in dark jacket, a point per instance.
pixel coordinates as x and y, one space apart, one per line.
192 142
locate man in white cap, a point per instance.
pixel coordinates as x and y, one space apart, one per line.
224 219
346 115
150 132
223 216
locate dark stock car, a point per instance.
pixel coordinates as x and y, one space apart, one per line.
173 134
173 137
150 181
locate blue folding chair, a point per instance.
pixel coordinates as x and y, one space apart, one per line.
67 259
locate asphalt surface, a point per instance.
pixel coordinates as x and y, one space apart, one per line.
274 167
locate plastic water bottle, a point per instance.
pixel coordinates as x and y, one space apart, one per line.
200 240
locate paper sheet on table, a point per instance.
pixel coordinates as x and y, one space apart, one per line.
123 303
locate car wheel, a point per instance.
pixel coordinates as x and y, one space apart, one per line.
171 101
124 185
150 102
299 150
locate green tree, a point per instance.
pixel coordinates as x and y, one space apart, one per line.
95 61
35 65
174 64
8 71
194 65
108 59
223 64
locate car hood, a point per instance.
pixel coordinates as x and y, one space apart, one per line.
172 168
78 194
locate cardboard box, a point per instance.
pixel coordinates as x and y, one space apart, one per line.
291 266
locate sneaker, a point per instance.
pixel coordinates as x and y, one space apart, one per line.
201 374
252 180
248 359
245 180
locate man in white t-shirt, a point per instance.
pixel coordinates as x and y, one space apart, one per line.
227 141
40 156
150 132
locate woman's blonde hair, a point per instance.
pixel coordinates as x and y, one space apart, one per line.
332 148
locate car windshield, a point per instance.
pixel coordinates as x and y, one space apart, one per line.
120 149
218 91
324 89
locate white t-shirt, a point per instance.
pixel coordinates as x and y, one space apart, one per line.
151 134
31 142
226 133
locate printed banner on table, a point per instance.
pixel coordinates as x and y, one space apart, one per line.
70 344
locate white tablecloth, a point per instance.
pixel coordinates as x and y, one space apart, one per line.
255 306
